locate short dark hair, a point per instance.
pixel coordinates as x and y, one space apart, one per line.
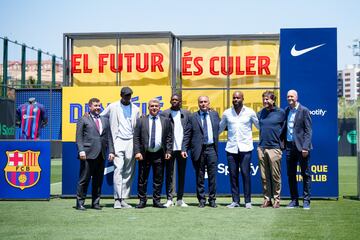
93 100
176 95
126 91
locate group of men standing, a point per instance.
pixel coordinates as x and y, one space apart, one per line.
158 140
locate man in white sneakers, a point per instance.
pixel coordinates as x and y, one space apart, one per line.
123 116
178 118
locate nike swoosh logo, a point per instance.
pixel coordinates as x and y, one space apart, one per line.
296 53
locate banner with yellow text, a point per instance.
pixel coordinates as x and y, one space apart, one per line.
250 64
138 62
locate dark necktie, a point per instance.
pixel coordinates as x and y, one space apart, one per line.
205 128
153 127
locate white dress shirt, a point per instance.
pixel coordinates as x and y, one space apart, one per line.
239 129
178 130
158 133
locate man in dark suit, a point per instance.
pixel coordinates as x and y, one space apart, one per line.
93 137
152 147
202 136
298 133
178 118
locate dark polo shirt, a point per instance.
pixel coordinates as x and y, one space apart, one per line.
271 125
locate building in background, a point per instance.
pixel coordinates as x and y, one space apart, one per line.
14 72
349 82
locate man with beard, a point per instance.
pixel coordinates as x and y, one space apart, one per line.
271 122
123 116
239 120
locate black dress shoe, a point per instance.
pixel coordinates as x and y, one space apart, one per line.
141 205
81 208
158 205
213 204
201 205
96 207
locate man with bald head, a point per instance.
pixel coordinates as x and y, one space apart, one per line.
298 133
202 136
239 120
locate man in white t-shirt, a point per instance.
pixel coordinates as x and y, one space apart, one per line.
123 116
178 118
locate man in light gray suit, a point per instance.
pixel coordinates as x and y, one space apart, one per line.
93 137
123 116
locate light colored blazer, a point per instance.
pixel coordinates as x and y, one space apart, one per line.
114 112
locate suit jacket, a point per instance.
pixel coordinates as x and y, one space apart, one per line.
194 133
302 128
142 133
88 138
113 113
184 116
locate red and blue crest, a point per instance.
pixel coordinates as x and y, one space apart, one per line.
22 169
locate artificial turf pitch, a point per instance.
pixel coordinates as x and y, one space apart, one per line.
57 219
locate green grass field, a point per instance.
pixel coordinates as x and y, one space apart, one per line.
57 219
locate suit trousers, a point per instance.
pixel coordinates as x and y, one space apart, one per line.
170 177
206 163
293 157
242 160
90 168
270 168
156 161
124 171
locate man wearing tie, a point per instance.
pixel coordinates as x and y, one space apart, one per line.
93 137
201 136
152 147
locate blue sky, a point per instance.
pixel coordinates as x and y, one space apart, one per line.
42 23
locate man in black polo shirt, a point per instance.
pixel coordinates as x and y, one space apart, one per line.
271 122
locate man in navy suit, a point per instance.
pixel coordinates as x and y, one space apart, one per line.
93 137
202 136
298 132
152 147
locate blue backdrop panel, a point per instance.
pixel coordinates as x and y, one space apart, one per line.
311 69
40 190
50 99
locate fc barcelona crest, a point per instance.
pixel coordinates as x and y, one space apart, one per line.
22 169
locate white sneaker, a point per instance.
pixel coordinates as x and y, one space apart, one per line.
125 205
248 205
117 204
181 203
233 205
169 203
